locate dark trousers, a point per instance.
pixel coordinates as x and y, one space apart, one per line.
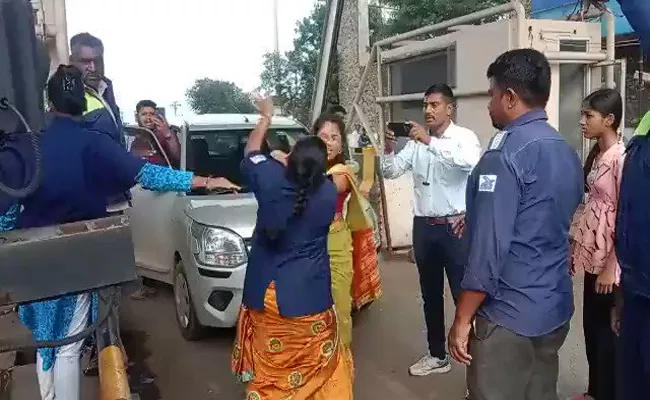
634 349
508 366
437 250
600 341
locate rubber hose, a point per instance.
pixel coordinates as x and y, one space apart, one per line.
30 344
34 140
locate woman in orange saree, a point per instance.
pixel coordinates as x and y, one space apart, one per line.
287 344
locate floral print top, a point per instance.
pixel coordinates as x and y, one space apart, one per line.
594 224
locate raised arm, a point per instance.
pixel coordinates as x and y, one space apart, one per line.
258 135
462 152
395 165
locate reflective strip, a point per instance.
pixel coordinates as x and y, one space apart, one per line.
92 103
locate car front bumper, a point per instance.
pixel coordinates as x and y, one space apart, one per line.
216 293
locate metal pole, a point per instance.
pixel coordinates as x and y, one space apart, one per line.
610 47
113 381
276 31
515 6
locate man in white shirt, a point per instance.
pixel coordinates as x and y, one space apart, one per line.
441 156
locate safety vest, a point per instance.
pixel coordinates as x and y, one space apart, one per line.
94 102
644 125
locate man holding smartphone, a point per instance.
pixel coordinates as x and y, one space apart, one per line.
148 117
441 156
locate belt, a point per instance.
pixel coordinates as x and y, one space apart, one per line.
449 219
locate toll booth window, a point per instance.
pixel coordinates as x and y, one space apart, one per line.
406 77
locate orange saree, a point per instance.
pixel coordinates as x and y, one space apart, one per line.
366 280
282 358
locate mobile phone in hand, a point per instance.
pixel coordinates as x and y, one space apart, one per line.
400 129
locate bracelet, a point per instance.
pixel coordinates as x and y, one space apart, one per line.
207 183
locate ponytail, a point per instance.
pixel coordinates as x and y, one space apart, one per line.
589 163
306 170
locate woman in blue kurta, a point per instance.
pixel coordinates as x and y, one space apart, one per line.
287 343
80 169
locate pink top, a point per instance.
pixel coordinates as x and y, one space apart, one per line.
594 228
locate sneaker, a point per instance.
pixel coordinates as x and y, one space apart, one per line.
430 365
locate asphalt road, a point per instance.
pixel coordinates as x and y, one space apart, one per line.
388 337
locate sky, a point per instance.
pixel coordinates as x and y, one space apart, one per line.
156 49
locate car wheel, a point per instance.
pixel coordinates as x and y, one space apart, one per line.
186 317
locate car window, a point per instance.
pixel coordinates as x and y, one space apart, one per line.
220 152
142 143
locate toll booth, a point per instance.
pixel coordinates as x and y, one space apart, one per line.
458 52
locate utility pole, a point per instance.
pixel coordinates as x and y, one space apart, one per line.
175 106
276 50
276 30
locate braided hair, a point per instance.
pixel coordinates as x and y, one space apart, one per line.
65 91
306 170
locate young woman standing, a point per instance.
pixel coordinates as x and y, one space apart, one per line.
593 248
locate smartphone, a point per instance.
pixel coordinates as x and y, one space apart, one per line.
400 129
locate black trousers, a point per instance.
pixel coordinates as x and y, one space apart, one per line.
437 250
600 341
508 366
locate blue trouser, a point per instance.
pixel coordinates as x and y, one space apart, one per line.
634 354
437 250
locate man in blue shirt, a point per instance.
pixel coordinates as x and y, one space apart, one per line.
520 200
631 317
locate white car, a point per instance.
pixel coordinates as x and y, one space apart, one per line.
199 242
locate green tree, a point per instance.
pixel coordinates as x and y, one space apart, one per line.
291 76
407 15
209 96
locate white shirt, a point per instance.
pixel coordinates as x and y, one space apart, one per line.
445 164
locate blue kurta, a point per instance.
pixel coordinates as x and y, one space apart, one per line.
81 169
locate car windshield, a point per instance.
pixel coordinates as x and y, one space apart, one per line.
220 152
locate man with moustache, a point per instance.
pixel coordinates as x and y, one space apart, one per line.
517 292
441 156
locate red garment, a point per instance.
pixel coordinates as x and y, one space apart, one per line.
146 147
340 200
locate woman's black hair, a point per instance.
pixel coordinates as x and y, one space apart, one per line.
340 124
66 92
605 102
306 169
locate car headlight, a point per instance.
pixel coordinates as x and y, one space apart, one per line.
218 247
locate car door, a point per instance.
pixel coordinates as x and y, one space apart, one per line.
152 218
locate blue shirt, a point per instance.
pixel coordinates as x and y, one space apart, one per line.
520 200
633 218
298 261
80 169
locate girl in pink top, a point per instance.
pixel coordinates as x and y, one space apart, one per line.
593 246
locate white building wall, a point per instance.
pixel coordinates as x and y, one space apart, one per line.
51 27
